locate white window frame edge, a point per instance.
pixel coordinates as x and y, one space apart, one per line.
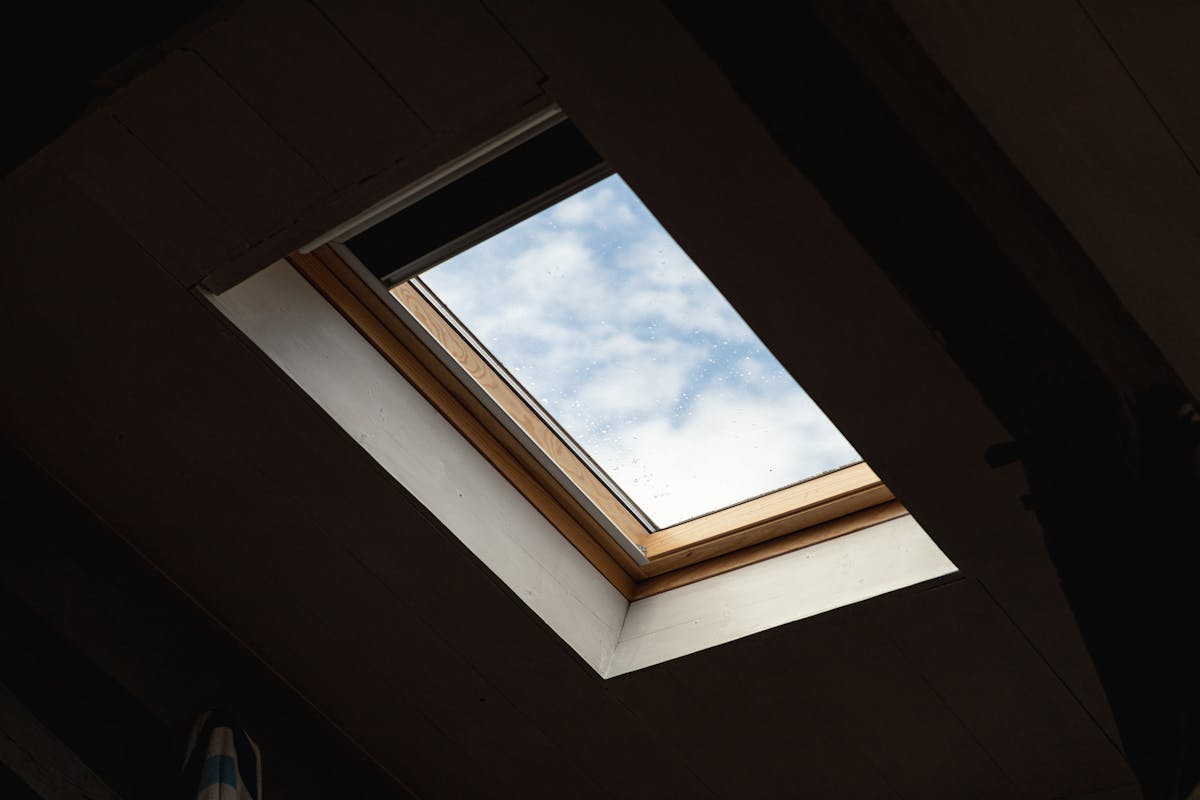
310 341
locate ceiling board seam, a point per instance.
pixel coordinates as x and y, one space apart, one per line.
212 619
1058 677
1136 85
903 654
116 223
653 731
371 66
410 706
267 123
123 125
468 661
1102 793
834 621
210 302
520 45
249 243
684 686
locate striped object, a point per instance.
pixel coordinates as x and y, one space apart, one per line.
222 761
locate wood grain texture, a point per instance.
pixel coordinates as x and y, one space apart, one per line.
717 542
781 513
526 418
434 385
745 556
433 364
776 514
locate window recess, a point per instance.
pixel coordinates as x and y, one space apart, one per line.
470 360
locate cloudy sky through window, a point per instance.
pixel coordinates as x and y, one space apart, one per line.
608 323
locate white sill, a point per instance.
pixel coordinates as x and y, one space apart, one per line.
310 341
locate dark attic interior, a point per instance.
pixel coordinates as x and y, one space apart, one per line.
286 515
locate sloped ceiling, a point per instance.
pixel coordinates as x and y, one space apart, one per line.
277 121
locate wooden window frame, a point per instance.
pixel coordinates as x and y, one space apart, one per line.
428 352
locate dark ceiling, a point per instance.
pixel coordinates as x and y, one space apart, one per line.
58 62
961 226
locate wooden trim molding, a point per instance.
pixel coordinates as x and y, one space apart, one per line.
816 510
529 421
776 514
330 276
683 575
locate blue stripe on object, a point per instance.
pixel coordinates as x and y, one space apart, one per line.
218 769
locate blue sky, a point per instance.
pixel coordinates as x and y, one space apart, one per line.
606 321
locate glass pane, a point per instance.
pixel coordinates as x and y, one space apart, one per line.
597 312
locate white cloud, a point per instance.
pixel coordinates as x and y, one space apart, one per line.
666 285
598 206
643 382
729 447
605 320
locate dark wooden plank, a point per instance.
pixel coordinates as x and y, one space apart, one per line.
984 668
306 81
1127 792
417 669
771 713
867 692
450 61
1059 102
40 758
182 232
820 709
64 721
1156 42
693 152
687 147
226 534
197 125
503 640
125 450
111 610
205 460
538 673
14 787
1051 260
723 759
352 200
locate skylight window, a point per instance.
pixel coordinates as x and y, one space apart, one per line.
528 352
533 300
604 321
